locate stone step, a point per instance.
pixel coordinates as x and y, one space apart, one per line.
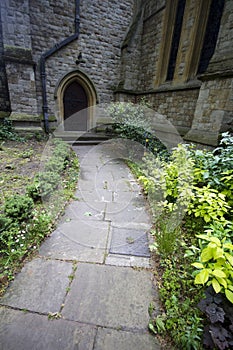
82 138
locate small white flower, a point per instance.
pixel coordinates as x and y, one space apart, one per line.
12 250
21 245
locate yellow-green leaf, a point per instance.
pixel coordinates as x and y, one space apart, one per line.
215 240
218 253
222 196
229 295
202 277
229 258
198 265
218 273
228 246
216 285
206 218
212 245
205 237
222 281
207 254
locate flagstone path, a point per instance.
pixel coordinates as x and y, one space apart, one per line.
90 286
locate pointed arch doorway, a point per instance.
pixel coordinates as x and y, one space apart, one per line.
75 95
75 102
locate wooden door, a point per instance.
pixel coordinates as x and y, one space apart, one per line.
75 108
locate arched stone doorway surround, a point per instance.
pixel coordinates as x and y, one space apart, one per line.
79 78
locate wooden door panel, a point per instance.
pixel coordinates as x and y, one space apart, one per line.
75 108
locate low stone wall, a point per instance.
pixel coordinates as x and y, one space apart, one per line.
178 106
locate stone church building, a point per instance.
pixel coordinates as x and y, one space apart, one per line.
59 57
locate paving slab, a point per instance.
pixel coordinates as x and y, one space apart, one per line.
78 240
128 241
84 211
126 212
109 296
109 339
40 286
29 331
136 198
94 196
126 260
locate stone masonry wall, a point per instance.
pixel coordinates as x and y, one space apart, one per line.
16 23
225 37
151 40
213 113
4 95
103 25
22 90
40 25
178 106
18 59
131 54
214 109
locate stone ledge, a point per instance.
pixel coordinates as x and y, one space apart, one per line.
24 117
191 85
219 67
18 55
202 137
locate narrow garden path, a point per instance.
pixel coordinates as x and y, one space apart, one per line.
90 286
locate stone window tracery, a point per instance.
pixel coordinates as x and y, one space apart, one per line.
188 40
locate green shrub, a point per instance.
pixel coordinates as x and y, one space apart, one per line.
4 222
54 165
48 180
43 185
210 167
215 264
7 131
131 121
181 319
209 204
166 238
168 184
18 207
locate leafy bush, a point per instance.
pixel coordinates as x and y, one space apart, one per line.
227 186
209 204
7 131
18 207
216 264
131 121
166 238
24 224
48 180
54 165
210 166
198 184
181 319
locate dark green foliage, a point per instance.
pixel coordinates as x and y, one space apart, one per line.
133 122
18 207
4 222
218 332
43 185
7 131
202 184
215 169
47 181
140 135
25 220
